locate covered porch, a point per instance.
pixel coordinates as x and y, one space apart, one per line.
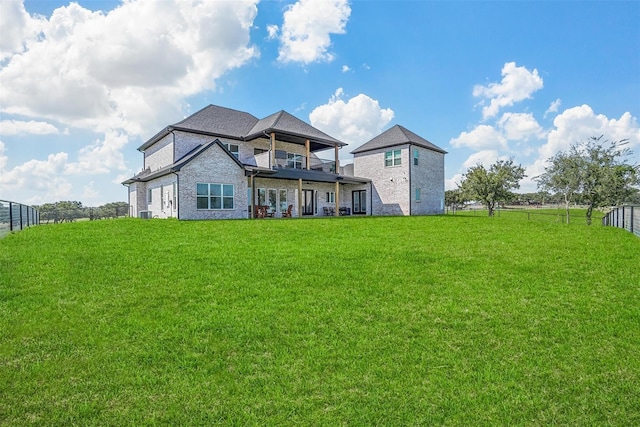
286 193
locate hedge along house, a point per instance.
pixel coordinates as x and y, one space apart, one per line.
224 163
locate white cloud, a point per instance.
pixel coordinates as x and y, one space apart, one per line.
345 68
121 74
553 108
484 157
89 193
32 127
517 84
3 160
41 177
100 157
452 183
125 69
579 123
482 137
355 121
272 31
306 30
17 26
519 126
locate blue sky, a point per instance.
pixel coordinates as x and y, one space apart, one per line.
84 84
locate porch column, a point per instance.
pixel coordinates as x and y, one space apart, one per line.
307 146
272 162
300 197
337 161
337 200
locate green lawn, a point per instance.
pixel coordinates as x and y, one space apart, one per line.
455 320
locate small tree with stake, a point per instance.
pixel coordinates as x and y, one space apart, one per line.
492 186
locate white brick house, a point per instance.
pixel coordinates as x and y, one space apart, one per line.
223 163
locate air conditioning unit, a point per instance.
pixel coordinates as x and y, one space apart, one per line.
145 214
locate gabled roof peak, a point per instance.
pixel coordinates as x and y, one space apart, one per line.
397 135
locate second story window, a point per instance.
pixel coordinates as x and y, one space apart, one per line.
416 154
294 161
233 148
392 158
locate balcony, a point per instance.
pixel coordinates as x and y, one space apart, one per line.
286 160
323 165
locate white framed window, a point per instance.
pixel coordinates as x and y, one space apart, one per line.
162 196
214 196
262 197
233 148
294 161
418 195
283 200
392 158
149 196
272 193
416 155
331 197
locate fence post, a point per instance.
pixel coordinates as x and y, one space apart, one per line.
632 208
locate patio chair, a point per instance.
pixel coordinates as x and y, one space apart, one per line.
287 214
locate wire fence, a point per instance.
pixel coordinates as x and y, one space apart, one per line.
16 216
538 213
627 217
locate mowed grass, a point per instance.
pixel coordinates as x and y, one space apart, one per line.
454 320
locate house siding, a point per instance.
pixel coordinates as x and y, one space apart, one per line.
162 205
159 154
212 166
390 184
187 141
428 176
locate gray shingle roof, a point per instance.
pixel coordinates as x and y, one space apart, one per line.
397 135
283 122
220 121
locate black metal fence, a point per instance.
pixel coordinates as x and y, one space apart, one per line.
627 217
16 216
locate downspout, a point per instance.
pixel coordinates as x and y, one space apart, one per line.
253 194
128 198
371 198
410 188
177 194
173 142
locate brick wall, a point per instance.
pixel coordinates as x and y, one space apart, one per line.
390 184
212 166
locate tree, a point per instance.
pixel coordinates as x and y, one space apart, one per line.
454 199
594 172
562 177
494 185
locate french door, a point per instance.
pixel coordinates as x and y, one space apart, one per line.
359 202
307 202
